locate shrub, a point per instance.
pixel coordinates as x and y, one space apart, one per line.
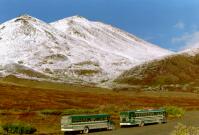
1 129
185 130
50 112
79 111
110 109
68 111
87 63
166 79
174 111
86 72
19 128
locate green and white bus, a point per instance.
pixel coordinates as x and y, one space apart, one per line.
141 117
84 123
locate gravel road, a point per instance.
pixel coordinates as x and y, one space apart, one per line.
191 118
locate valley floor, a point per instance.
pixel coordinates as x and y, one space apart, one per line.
43 108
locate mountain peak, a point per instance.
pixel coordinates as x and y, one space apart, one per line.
108 37
27 30
25 15
25 18
76 17
21 21
73 19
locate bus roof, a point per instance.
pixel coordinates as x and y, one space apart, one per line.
88 116
144 111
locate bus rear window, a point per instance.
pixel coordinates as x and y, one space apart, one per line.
65 120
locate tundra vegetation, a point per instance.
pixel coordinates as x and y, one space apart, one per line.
181 129
174 111
42 104
18 128
174 73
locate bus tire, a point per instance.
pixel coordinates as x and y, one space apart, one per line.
160 122
164 121
110 127
86 130
141 124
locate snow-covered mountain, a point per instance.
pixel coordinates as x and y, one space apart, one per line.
70 50
107 38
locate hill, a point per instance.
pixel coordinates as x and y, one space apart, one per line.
176 72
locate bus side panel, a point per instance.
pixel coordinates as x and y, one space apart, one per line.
99 125
91 125
149 119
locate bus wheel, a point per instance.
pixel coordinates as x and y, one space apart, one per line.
164 121
141 124
110 127
86 130
160 122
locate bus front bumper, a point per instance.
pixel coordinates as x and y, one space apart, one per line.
125 124
68 130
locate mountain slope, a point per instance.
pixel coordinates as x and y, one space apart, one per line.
28 43
175 72
82 52
112 40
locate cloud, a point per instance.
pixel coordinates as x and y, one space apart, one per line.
179 25
188 40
